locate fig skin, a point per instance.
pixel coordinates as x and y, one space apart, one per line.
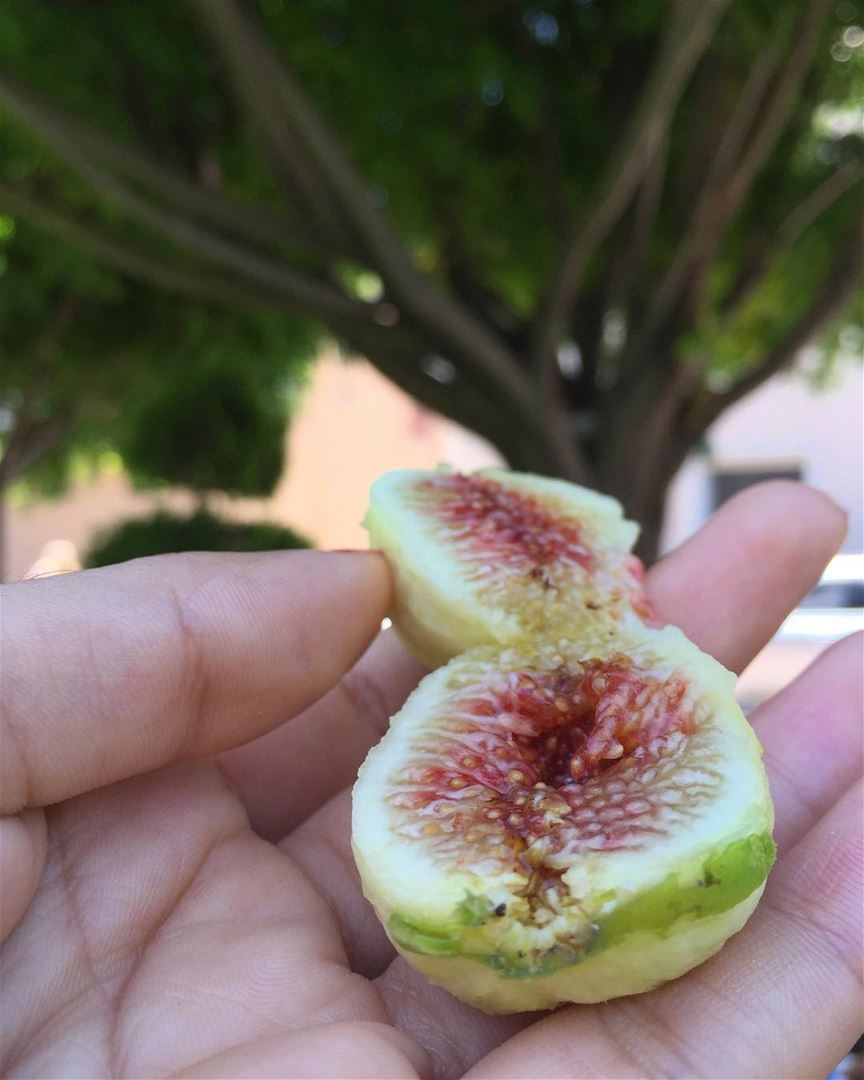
439 613
636 964
626 917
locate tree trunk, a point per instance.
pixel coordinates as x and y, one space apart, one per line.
643 447
645 506
651 523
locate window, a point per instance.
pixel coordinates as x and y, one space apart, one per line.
728 482
835 594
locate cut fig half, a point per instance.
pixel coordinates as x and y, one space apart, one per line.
496 556
547 822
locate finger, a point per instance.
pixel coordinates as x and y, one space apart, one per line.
729 588
22 856
111 672
813 737
783 998
325 744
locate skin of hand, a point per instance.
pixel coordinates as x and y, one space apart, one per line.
179 738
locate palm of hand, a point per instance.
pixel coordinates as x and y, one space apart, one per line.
166 937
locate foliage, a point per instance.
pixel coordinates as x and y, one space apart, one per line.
582 229
163 533
93 361
235 446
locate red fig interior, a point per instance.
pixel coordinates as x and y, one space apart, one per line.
529 768
501 536
499 525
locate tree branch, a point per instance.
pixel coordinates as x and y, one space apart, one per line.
254 74
837 291
302 291
30 439
215 208
245 51
163 273
644 220
466 283
587 327
685 38
743 116
727 183
550 166
461 400
55 325
777 108
397 352
821 199
400 359
318 297
696 238
464 280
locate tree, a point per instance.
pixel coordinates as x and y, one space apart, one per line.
580 229
93 362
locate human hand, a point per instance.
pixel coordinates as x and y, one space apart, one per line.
166 936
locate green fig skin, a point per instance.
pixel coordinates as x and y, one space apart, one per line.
657 936
638 962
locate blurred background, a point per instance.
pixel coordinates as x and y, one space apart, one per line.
255 253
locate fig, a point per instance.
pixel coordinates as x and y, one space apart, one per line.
565 823
574 807
495 556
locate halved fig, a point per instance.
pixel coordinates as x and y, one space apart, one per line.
549 822
497 556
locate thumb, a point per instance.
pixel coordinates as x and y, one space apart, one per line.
111 672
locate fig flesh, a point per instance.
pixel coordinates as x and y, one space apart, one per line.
539 827
575 811
496 556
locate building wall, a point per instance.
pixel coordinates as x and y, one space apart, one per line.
353 426
785 422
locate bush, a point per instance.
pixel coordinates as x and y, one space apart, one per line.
216 431
163 532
